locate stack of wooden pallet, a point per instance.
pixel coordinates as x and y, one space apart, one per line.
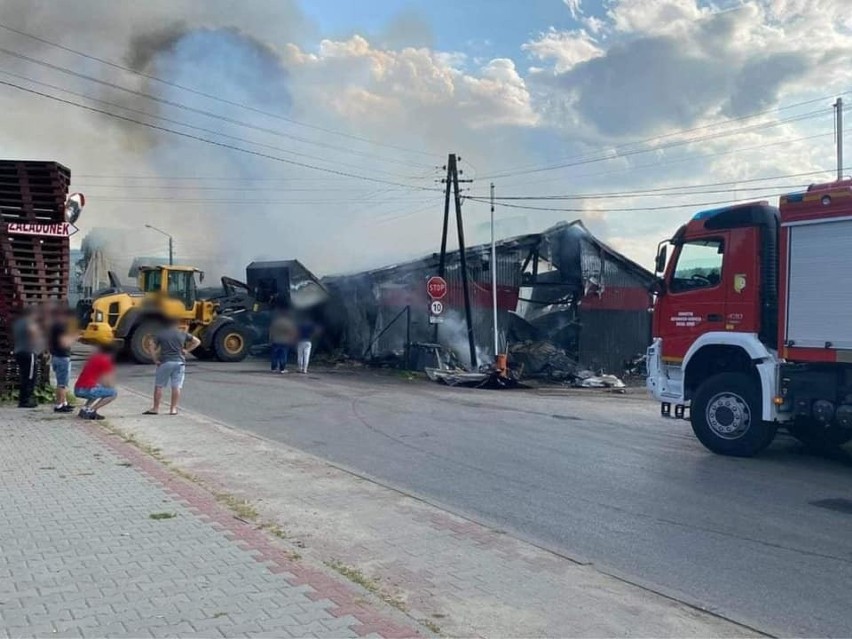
33 268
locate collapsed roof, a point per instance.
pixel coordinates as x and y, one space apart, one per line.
545 283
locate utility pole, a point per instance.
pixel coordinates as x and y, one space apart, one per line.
838 107
474 364
171 242
452 182
451 167
494 277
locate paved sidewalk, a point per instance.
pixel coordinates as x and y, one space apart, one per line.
459 577
97 539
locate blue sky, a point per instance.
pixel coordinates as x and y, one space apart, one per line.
464 26
591 102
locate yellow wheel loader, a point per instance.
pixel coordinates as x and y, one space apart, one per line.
132 318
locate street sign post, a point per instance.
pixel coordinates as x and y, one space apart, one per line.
62 229
436 287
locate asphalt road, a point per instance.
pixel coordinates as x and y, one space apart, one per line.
595 477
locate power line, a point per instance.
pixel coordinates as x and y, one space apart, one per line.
182 124
210 96
191 187
230 178
607 158
144 200
690 158
385 220
670 190
190 109
640 194
214 142
170 178
619 210
628 146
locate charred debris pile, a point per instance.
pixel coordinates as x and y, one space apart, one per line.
570 308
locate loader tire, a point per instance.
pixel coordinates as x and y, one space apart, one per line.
231 343
204 354
140 339
727 418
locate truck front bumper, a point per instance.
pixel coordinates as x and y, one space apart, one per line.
655 382
98 333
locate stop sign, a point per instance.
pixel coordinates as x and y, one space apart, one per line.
436 287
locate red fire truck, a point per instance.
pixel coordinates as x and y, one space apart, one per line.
753 322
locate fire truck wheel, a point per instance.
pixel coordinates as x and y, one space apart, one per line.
726 416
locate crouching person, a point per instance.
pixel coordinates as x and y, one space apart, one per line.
96 383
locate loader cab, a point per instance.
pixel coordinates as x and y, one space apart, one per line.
721 277
172 285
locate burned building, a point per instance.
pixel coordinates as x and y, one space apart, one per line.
562 293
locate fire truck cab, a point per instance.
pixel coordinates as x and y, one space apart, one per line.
753 322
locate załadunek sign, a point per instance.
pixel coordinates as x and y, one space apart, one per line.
62 229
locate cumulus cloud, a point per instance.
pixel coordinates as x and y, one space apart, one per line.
575 7
674 63
365 83
654 16
563 49
638 69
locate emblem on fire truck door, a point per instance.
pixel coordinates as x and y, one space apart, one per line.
739 282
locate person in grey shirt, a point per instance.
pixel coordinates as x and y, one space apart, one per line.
29 344
169 353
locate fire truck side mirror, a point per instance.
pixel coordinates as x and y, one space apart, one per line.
657 287
662 256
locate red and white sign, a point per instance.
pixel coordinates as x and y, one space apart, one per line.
436 287
63 229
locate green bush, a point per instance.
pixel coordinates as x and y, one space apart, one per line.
42 394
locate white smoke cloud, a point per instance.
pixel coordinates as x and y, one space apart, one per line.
642 68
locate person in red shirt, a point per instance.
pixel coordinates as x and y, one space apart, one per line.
96 383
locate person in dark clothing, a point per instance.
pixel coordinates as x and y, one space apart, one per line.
61 340
29 344
282 337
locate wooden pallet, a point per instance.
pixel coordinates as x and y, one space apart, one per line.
33 270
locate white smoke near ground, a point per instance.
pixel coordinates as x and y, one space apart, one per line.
453 335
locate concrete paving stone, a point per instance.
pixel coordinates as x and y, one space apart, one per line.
82 558
249 627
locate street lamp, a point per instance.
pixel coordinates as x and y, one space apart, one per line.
171 242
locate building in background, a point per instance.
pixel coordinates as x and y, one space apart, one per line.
561 294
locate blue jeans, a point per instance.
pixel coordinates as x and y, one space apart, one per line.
279 355
95 392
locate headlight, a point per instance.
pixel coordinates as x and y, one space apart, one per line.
99 316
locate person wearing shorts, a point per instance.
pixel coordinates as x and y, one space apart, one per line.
169 353
96 383
61 340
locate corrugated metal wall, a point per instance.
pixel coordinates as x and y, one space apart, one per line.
615 322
